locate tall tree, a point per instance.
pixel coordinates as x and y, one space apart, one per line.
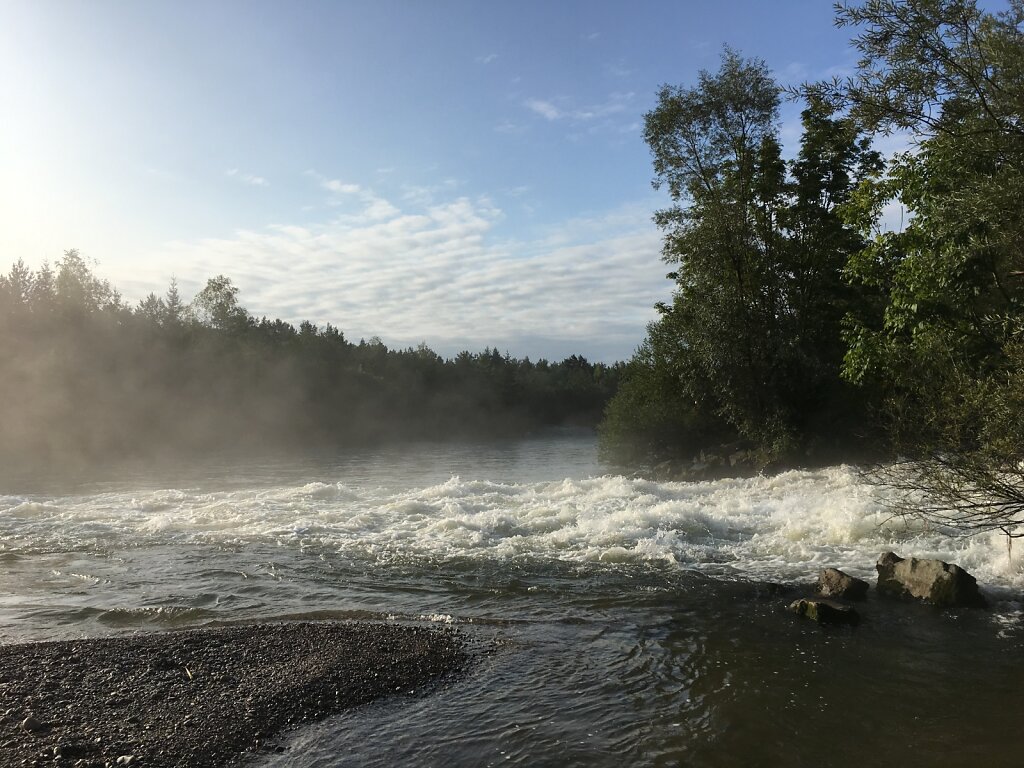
715 148
945 350
752 337
217 305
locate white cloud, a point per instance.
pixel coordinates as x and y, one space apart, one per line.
507 126
545 109
368 205
549 110
619 69
427 194
440 273
335 185
248 178
486 59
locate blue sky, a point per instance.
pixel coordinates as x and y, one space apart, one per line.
467 174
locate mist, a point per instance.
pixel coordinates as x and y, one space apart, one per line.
89 381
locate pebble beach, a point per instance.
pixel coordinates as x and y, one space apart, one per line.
206 697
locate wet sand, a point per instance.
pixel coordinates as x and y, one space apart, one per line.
203 697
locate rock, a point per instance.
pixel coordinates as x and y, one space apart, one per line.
933 581
31 724
126 759
71 750
825 611
834 583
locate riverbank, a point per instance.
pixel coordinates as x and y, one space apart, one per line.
203 697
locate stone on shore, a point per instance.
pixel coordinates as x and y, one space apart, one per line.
825 611
202 698
942 584
834 583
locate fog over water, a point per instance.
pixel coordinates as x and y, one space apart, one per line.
627 619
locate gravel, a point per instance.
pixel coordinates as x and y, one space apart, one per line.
203 697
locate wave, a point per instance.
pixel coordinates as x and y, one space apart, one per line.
778 528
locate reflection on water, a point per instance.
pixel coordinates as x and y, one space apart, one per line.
631 623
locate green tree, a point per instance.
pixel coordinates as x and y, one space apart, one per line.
750 343
944 350
217 305
174 307
16 286
715 148
78 289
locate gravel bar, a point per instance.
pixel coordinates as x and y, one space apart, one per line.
203 697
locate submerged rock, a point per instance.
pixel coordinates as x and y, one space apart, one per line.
942 584
834 583
825 611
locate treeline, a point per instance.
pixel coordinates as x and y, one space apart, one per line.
808 322
87 377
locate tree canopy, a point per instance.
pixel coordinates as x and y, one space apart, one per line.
750 346
945 354
801 309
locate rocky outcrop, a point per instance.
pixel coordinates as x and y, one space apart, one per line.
942 584
825 611
834 583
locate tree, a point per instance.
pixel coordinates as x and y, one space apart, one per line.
174 307
16 287
945 348
752 336
152 308
78 289
715 147
217 305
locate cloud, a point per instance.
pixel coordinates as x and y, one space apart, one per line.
427 194
549 110
486 59
545 109
363 204
508 127
619 69
441 273
335 185
248 178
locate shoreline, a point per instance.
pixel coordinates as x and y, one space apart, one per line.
204 697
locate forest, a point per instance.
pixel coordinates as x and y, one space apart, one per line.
89 378
831 302
839 304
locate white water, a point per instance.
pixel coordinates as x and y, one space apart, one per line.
627 618
781 528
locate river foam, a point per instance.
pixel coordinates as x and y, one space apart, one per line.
782 528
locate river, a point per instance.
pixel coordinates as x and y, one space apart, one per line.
627 622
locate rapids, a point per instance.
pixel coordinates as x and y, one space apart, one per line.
630 621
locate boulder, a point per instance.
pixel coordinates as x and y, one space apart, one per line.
825 611
942 584
834 583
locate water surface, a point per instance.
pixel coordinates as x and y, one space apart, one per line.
633 622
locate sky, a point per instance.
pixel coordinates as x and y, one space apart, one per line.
464 174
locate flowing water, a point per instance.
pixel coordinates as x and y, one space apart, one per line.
629 622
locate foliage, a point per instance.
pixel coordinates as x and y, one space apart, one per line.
750 345
943 353
88 378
